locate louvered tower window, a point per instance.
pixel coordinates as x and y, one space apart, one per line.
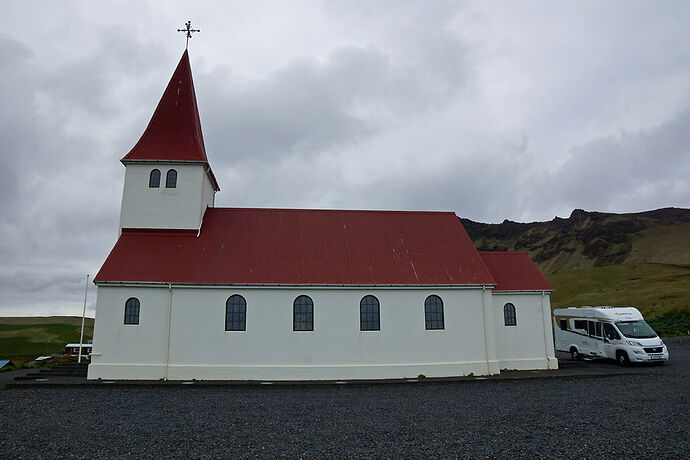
155 179
171 179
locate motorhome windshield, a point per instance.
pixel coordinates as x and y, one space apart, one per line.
636 329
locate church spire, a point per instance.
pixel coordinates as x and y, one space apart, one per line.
174 132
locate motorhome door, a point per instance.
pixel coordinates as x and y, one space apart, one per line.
611 340
596 338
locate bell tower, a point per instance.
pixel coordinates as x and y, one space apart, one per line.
168 180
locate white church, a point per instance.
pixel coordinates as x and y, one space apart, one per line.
192 291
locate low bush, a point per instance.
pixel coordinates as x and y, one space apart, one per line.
671 324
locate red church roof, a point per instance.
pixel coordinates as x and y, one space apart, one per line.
515 271
174 132
302 247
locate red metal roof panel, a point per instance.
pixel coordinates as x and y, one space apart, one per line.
514 271
298 246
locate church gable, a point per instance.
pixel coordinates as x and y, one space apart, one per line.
302 247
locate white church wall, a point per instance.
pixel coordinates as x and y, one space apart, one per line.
529 344
180 207
269 349
208 195
129 351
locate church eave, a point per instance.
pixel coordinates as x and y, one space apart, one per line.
288 285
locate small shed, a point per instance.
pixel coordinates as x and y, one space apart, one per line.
5 363
72 349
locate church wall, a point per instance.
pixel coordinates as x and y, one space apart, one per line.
128 351
180 207
336 349
529 344
208 194
269 349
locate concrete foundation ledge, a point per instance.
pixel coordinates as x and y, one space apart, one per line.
528 364
288 372
126 371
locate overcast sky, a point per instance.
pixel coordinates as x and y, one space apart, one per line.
495 110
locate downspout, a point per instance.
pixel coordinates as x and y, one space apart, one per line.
167 347
486 336
544 320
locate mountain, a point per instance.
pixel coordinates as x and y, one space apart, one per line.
596 258
592 239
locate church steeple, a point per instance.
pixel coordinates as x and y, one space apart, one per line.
168 180
174 132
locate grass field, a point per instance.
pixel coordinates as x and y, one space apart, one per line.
27 338
655 289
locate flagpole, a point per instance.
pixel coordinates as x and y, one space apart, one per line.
83 315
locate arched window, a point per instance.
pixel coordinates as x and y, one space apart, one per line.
433 312
509 315
155 179
235 313
132 311
369 314
171 179
303 314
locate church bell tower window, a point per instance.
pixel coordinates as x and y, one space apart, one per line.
171 179
155 179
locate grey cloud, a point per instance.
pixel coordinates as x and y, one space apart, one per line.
311 107
13 52
59 192
639 164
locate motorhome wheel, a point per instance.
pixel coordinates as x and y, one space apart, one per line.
574 354
623 358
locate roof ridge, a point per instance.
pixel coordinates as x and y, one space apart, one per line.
391 211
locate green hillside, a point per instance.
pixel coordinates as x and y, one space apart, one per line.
655 289
27 338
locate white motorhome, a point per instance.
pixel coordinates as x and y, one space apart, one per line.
618 333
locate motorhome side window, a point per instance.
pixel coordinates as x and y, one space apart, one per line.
581 324
610 332
590 326
598 329
564 324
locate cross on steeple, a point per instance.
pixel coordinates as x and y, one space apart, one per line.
189 31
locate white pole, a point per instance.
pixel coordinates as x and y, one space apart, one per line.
83 315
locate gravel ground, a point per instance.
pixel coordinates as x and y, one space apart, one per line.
642 414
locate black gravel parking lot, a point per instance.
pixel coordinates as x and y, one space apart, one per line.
644 413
